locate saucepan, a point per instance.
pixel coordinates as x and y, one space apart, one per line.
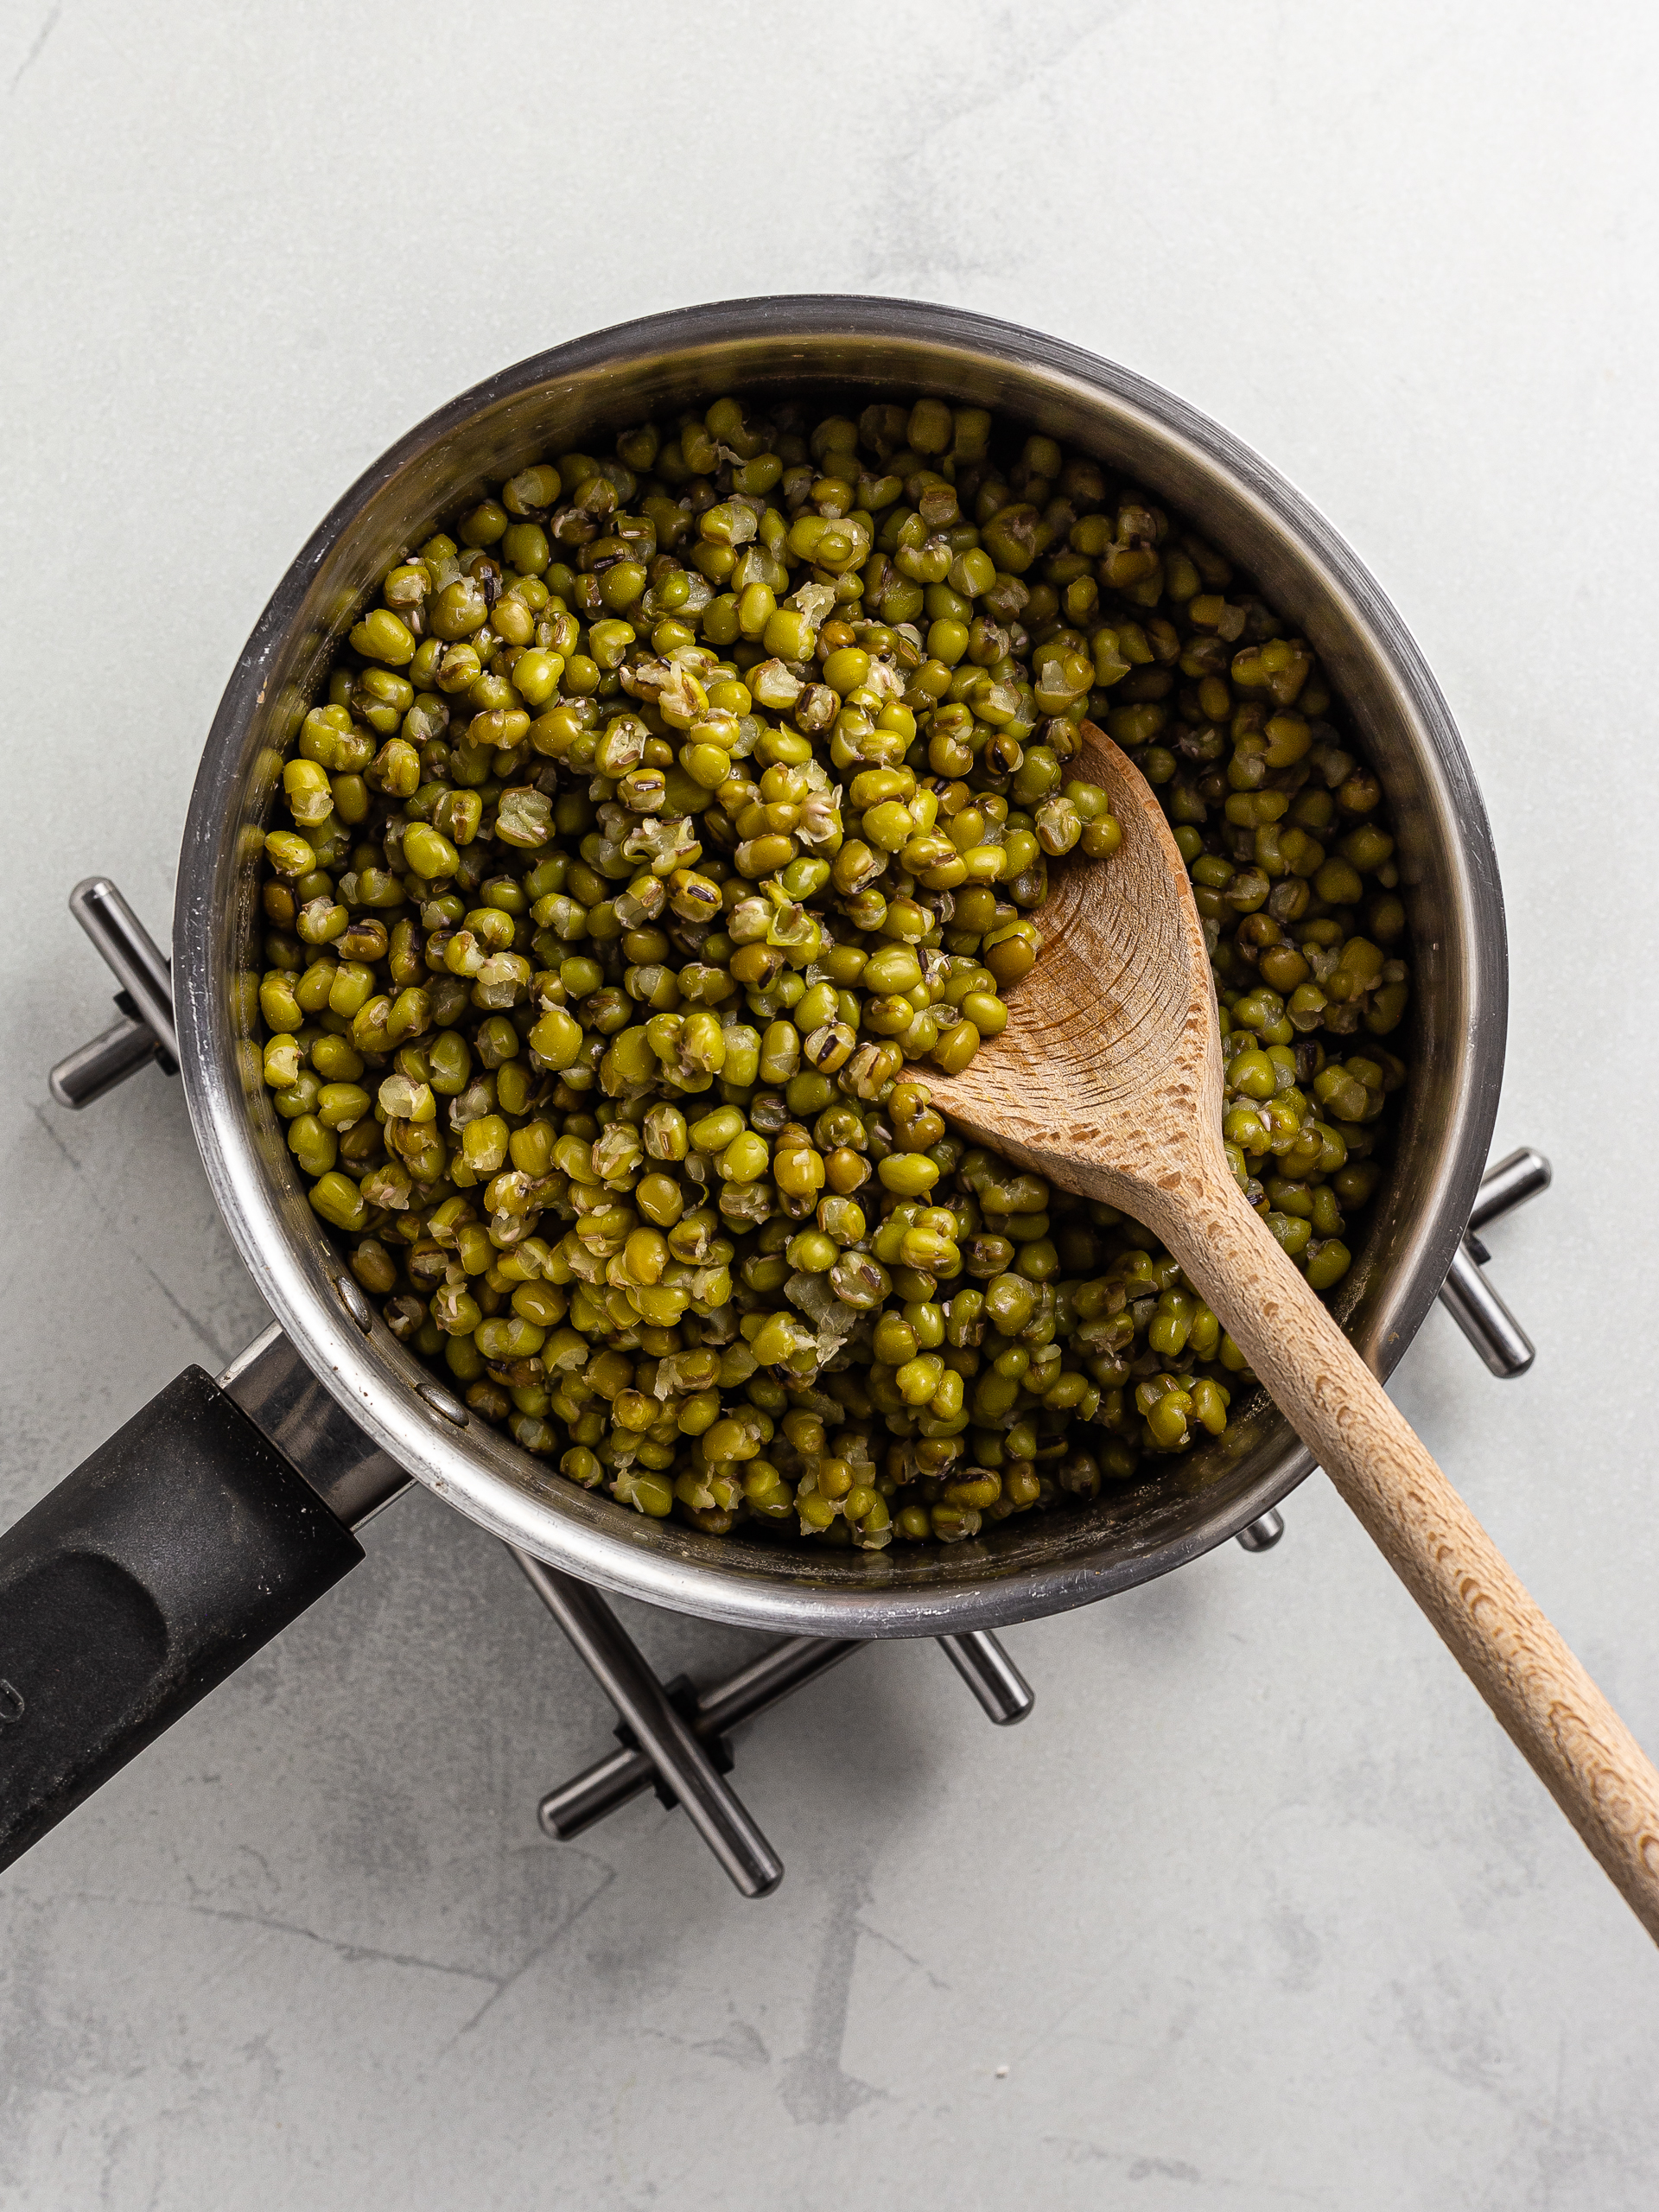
226 1507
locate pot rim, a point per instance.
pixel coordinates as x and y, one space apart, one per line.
539 1511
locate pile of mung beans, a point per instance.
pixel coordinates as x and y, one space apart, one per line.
667 818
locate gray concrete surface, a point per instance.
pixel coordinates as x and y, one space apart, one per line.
1259 1909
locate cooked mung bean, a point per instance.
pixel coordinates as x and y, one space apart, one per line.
664 822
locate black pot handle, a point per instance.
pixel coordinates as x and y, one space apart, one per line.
166 1559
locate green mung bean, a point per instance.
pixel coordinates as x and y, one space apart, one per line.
664 821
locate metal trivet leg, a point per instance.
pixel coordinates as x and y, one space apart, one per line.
1263 1532
657 1724
673 1736
1467 1296
145 1031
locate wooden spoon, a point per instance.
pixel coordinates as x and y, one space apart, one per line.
1107 1080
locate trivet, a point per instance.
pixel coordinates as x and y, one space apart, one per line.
673 1736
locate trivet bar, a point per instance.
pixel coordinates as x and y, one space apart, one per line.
1263 1532
145 1031
1003 1692
1001 1689
131 954
1466 1294
1483 1316
114 1054
627 1774
611 1655
1508 1183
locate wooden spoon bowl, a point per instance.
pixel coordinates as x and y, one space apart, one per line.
1110 1072
1107 1080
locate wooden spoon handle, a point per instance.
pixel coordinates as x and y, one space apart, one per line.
1564 1727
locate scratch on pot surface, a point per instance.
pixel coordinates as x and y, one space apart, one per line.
815 2087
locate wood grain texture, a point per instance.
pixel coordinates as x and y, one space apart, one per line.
1107 1080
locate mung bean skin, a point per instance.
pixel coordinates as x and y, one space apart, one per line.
664 821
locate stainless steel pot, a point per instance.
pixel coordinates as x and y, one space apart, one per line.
1030 1565
1033 1564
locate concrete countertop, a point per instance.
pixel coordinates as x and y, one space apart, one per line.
1258 1906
